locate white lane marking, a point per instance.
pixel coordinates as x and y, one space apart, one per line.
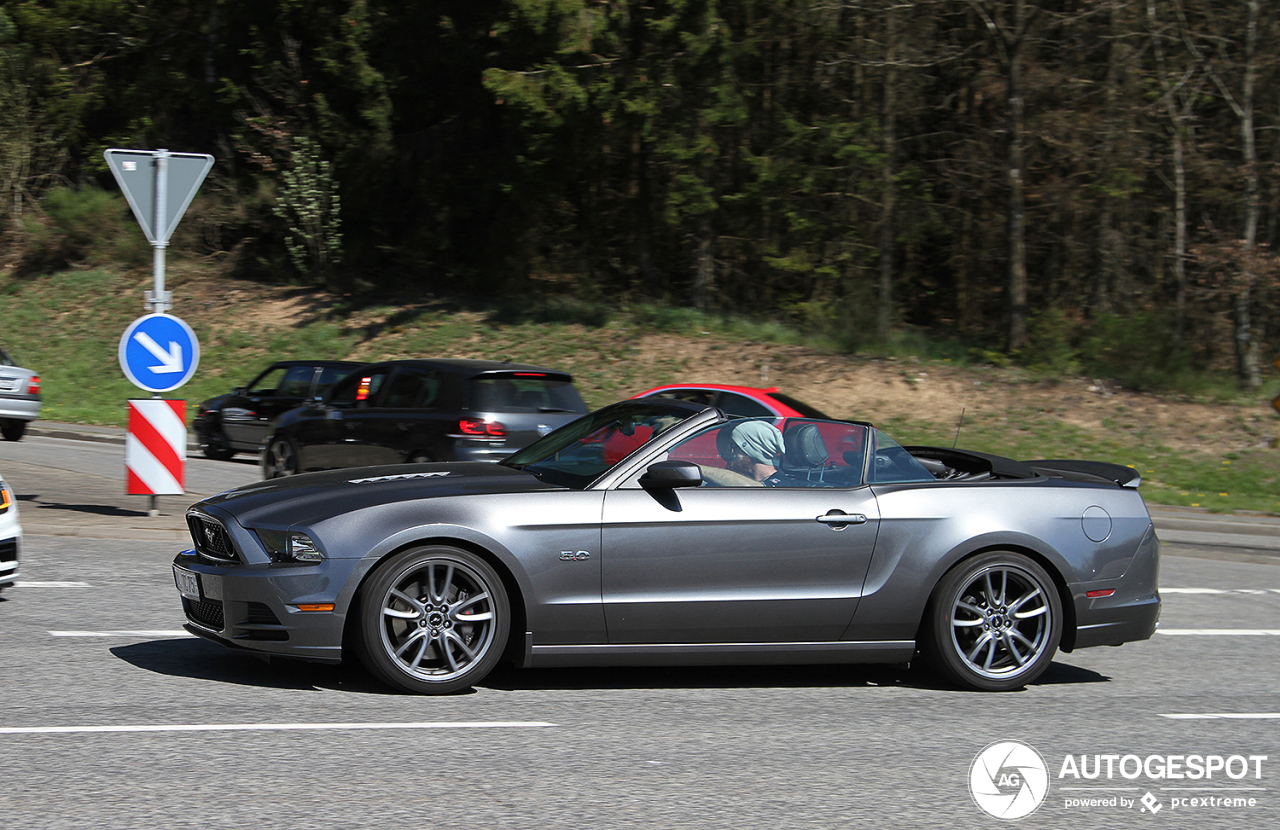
1220 590
51 584
1225 716
264 727
153 632
1221 632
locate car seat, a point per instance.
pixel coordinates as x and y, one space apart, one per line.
805 451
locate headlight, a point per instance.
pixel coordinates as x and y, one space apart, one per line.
6 498
289 546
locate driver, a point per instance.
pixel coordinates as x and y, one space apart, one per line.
755 449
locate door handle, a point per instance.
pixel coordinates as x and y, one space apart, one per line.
838 519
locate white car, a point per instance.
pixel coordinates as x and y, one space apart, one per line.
10 536
19 397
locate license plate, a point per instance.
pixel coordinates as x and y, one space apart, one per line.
188 583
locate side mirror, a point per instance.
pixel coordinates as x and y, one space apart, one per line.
239 390
670 474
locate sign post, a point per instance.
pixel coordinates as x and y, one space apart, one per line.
159 186
1275 402
158 352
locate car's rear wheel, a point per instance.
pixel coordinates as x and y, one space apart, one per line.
281 460
433 620
995 622
13 430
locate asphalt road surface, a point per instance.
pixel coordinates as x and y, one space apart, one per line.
111 717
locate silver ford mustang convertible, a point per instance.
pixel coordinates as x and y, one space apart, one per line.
659 532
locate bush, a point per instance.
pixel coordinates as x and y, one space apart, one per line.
83 227
1138 351
1049 343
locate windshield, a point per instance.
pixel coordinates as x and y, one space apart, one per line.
579 452
892 463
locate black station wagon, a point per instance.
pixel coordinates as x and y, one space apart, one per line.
238 421
422 410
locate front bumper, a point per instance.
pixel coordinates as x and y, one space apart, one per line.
10 545
255 607
8 561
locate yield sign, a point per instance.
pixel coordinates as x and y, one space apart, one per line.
159 186
159 352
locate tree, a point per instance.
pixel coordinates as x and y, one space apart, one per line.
1009 23
1181 88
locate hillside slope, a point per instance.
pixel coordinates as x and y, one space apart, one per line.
66 326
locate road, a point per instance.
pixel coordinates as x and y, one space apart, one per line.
111 717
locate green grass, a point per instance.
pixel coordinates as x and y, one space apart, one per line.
1241 480
67 327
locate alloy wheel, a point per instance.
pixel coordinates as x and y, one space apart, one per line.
1001 622
282 459
435 620
994 622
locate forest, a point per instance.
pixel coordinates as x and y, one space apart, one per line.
1056 182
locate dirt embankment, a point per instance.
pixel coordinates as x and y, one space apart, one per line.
846 386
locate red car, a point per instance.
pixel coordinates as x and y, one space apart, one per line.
738 401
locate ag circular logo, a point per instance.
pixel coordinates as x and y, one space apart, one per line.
1008 780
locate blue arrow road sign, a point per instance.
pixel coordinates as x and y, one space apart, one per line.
159 352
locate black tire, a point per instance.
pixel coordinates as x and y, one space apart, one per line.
214 446
432 620
281 458
994 622
13 430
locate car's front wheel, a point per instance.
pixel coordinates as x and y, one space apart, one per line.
994 622
215 446
433 620
281 459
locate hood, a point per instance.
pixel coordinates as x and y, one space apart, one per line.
311 497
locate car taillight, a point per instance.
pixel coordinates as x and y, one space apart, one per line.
479 428
33 388
362 391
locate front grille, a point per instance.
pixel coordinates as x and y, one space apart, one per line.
211 538
207 613
9 550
